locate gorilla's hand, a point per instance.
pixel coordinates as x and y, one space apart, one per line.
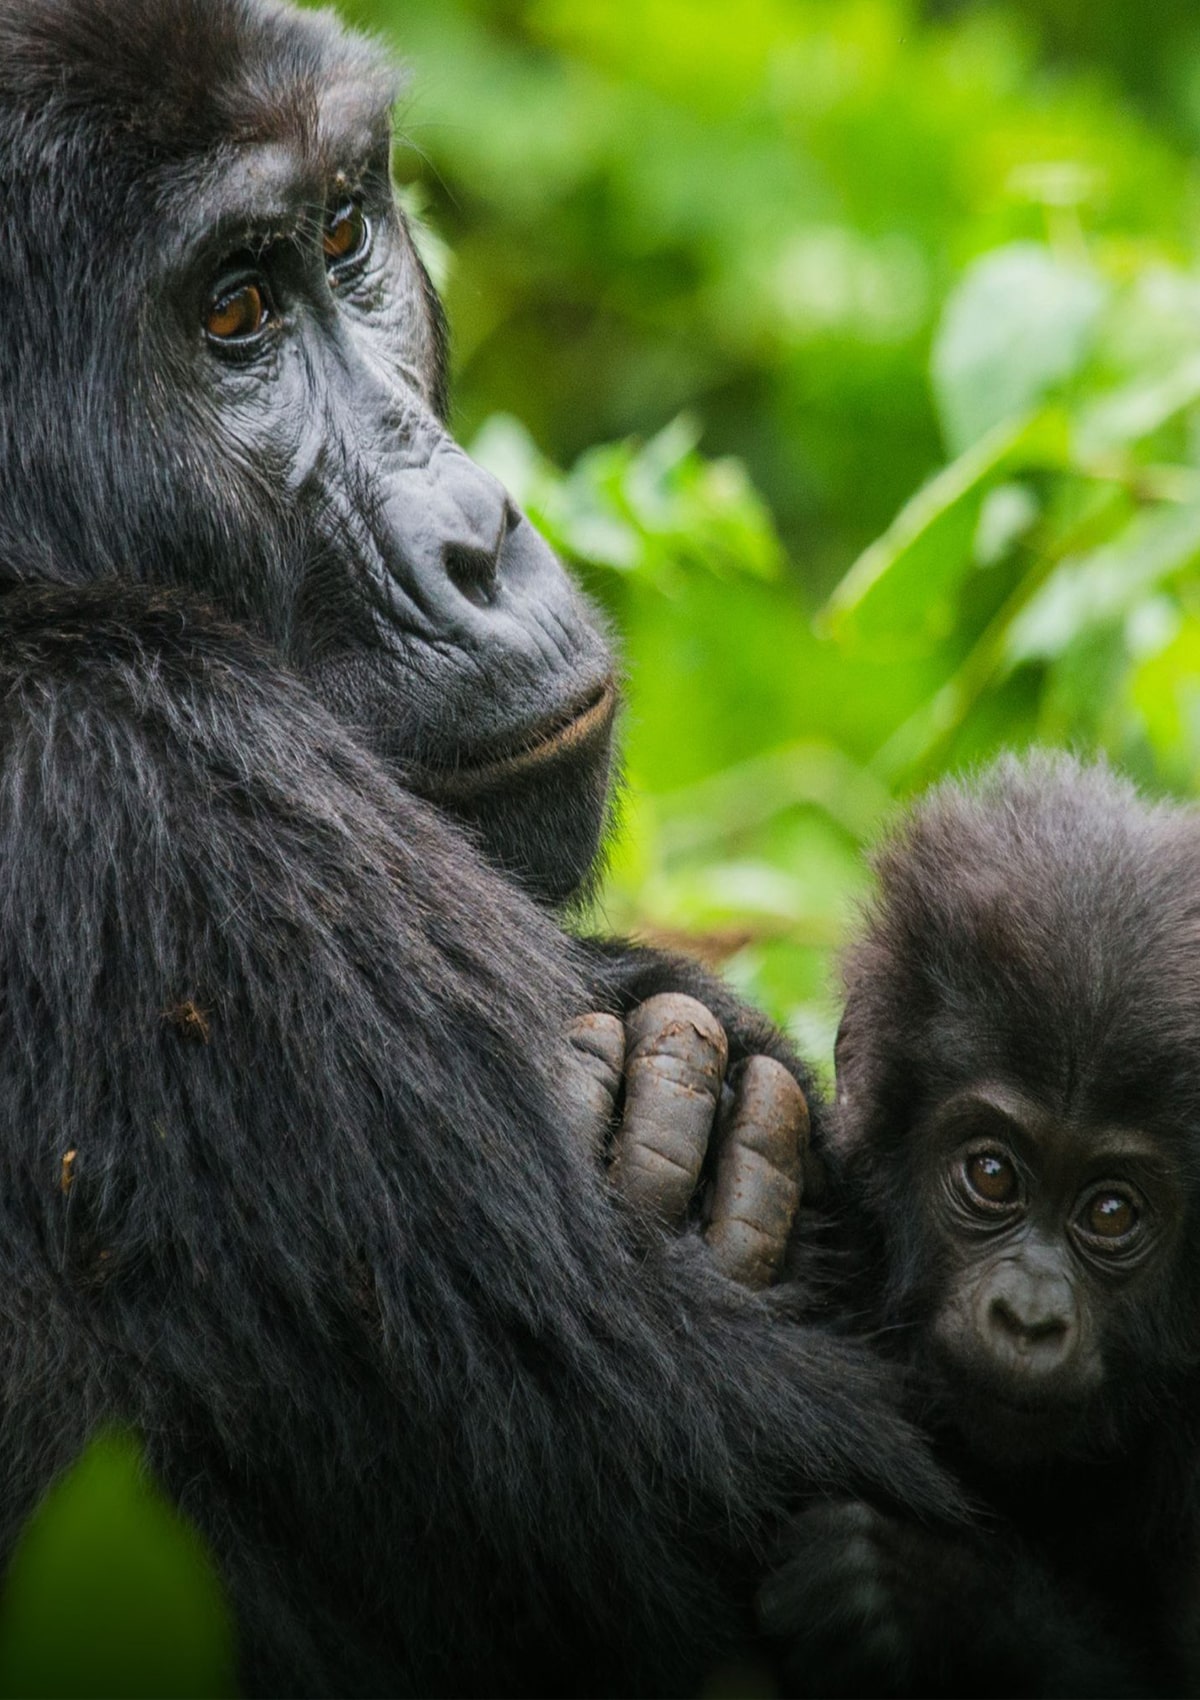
685 1142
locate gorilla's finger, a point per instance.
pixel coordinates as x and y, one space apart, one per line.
758 1181
599 1043
675 1058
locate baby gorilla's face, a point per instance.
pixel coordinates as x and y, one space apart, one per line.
1055 1234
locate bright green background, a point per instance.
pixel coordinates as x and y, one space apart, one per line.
929 275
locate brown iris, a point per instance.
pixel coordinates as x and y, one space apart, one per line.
239 313
345 235
991 1177
1110 1215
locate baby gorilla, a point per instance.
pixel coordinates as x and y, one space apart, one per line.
1017 1151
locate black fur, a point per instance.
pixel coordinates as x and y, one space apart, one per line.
285 1180
1037 931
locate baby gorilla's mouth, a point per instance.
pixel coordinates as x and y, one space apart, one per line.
575 728
1021 1426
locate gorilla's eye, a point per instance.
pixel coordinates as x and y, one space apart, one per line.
991 1178
239 313
1109 1215
346 238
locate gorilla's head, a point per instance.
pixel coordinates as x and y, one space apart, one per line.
224 366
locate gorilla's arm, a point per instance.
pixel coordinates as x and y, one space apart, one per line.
288 1183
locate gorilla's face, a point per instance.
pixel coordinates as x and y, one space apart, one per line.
259 329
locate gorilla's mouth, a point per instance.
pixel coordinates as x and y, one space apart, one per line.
574 730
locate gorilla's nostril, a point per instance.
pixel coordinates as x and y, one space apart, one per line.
471 571
1030 1330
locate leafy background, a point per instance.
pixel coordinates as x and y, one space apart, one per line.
851 350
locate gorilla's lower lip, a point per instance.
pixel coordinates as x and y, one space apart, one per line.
540 745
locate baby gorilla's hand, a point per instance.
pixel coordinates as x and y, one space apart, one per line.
837 1603
864 1603
682 1140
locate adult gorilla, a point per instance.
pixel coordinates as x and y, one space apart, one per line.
287 1171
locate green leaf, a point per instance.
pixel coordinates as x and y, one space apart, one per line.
1164 692
1007 514
814 771
1020 323
111 1593
1105 586
1138 409
902 587
654 509
506 449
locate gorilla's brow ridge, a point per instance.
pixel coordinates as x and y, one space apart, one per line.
258 192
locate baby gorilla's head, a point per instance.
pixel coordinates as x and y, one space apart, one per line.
1019 1102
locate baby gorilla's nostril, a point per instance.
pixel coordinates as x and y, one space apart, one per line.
1027 1330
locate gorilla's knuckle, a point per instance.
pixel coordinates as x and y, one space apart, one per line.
671 1024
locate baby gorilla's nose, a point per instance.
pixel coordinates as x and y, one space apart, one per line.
1030 1320
1041 1333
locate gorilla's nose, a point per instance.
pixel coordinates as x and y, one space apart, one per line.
447 524
1027 1326
1031 1325
478 515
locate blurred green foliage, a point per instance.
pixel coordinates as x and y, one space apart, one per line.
855 349
110 1594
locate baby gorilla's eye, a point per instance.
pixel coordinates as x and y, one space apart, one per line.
346 237
991 1177
237 314
1109 1215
